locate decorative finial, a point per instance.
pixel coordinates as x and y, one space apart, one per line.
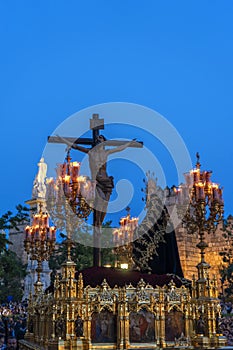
128 210
68 157
69 244
198 164
40 207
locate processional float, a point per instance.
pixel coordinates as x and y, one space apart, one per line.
123 316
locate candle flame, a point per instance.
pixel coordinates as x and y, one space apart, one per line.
214 185
81 178
76 164
67 178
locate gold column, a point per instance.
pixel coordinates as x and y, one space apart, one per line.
121 320
87 323
54 312
157 325
162 341
80 286
186 320
125 319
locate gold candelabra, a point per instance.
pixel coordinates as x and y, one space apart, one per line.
200 206
40 242
122 240
78 190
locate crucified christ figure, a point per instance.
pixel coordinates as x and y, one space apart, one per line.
98 157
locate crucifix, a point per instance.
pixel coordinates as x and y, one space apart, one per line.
98 156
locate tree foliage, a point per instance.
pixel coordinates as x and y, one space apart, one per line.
11 268
82 254
10 220
12 272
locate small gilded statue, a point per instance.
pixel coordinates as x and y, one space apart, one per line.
60 327
78 327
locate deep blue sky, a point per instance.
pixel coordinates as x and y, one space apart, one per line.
58 57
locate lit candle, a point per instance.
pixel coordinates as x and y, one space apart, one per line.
66 180
32 233
121 222
35 220
75 171
179 195
215 192
53 231
63 169
207 177
197 192
220 195
37 233
203 176
45 220
135 223
42 234
27 230
47 233
195 176
201 191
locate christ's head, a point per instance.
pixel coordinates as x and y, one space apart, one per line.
100 139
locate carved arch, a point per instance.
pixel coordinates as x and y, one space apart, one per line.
175 307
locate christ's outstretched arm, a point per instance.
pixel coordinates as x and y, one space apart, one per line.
73 145
120 148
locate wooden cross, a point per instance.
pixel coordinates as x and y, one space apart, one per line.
96 125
